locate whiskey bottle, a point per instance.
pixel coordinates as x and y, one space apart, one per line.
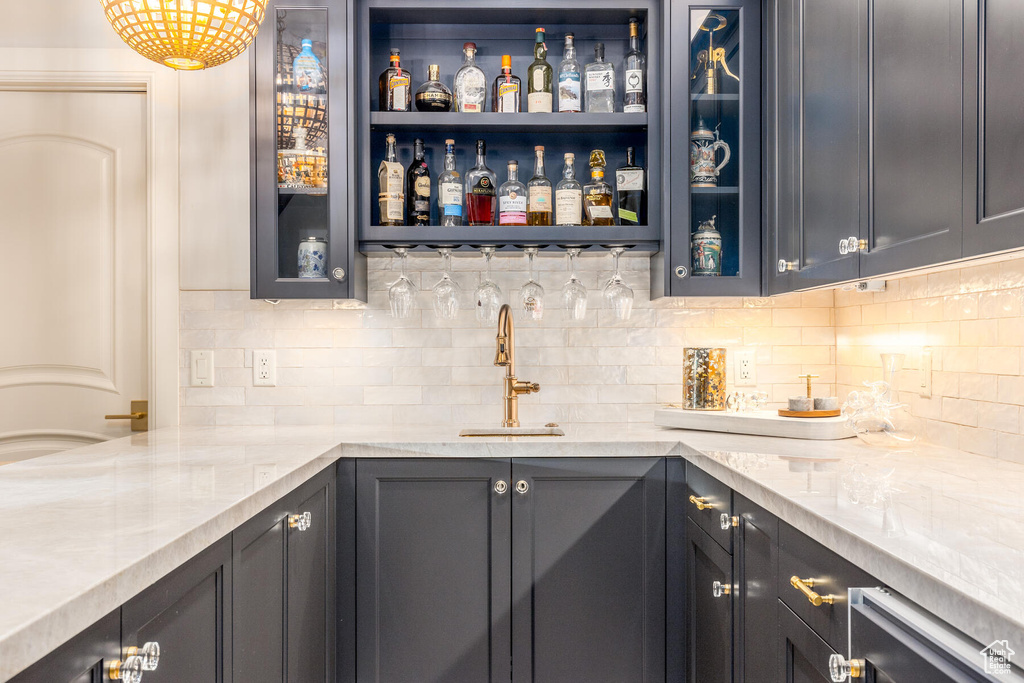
481 192
597 194
418 184
538 77
569 195
395 86
512 198
570 93
506 95
600 94
433 95
391 184
449 189
538 191
470 83
630 190
634 69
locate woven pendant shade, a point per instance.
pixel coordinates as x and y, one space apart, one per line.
186 34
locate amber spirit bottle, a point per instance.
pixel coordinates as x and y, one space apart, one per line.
597 194
395 86
631 191
538 77
433 95
391 184
507 95
481 190
538 191
569 195
418 184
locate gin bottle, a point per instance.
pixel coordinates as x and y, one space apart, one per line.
449 189
635 73
470 83
538 77
600 94
570 93
512 198
569 195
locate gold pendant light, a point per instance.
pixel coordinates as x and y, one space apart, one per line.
186 34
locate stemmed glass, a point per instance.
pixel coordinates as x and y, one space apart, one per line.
488 293
531 295
447 290
617 293
574 292
402 294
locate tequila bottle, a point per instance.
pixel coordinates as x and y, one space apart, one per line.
449 189
433 95
570 93
538 190
631 191
635 73
481 190
569 195
395 86
512 198
600 94
597 194
506 95
470 83
391 184
538 77
418 184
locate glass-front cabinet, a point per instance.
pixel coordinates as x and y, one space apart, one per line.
302 240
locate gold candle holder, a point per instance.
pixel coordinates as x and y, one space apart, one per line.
704 379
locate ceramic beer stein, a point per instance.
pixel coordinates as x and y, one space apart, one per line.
703 144
706 247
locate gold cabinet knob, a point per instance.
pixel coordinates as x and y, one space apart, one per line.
842 669
129 670
701 505
301 522
805 586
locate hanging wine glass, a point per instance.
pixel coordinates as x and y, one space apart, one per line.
446 291
531 295
574 292
402 294
488 293
617 293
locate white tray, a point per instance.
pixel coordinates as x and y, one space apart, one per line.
760 422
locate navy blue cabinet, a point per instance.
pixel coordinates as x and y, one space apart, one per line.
83 659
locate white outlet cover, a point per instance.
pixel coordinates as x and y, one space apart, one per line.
745 368
201 363
264 368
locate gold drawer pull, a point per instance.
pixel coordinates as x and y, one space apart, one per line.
805 586
699 502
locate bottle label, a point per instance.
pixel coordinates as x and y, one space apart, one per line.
634 108
391 206
538 79
452 209
483 186
569 91
634 80
421 205
600 79
508 97
432 97
628 216
422 186
540 102
451 195
511 209
632 179
568 207
469 107
391 177
540 198
599 210
399 87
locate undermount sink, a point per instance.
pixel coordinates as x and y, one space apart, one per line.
513 431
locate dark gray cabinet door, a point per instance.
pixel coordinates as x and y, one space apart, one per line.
994 149
803 656
433 584
756 563
709 612
188 614
816 128
917 76
83 659
588 540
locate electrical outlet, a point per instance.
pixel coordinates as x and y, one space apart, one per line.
746 368
925 389
264 368
202 368
262 475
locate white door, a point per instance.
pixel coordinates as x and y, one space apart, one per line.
73 267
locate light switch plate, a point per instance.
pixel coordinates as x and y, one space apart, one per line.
746 368
264 368
201 361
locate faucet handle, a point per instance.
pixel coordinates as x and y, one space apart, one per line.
526 387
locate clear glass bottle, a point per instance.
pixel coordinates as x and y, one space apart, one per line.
631 191
569 195
597 194
310 78
634 69
433 95
395 86
538 190
538 77
481 190
470 83
570 91
449 189
600 88
507 95
512 198
391 184
418 184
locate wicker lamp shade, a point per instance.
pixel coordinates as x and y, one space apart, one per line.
186 34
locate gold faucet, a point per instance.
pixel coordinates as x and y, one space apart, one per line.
506 356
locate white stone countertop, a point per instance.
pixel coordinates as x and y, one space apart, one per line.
84 531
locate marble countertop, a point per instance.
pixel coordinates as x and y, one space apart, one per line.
83 531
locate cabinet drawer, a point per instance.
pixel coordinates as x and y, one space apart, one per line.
830 578
707 499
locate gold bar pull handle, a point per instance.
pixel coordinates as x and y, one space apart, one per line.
805 586
139 416
699 502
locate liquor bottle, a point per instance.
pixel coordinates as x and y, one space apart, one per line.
512 198
433 95
538 77
481 193
310 78
634 69
569 195
395 86
597 194
507 95
538 191
391 184
570 94
418 184
449 189
470 83
600 94
630 190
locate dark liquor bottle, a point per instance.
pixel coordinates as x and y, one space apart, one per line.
481 190
391 186
507 95
631 191
433 95
418 184
635 70
395 86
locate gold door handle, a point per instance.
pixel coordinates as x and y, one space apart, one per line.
132 416
139 416
805 586
699 502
